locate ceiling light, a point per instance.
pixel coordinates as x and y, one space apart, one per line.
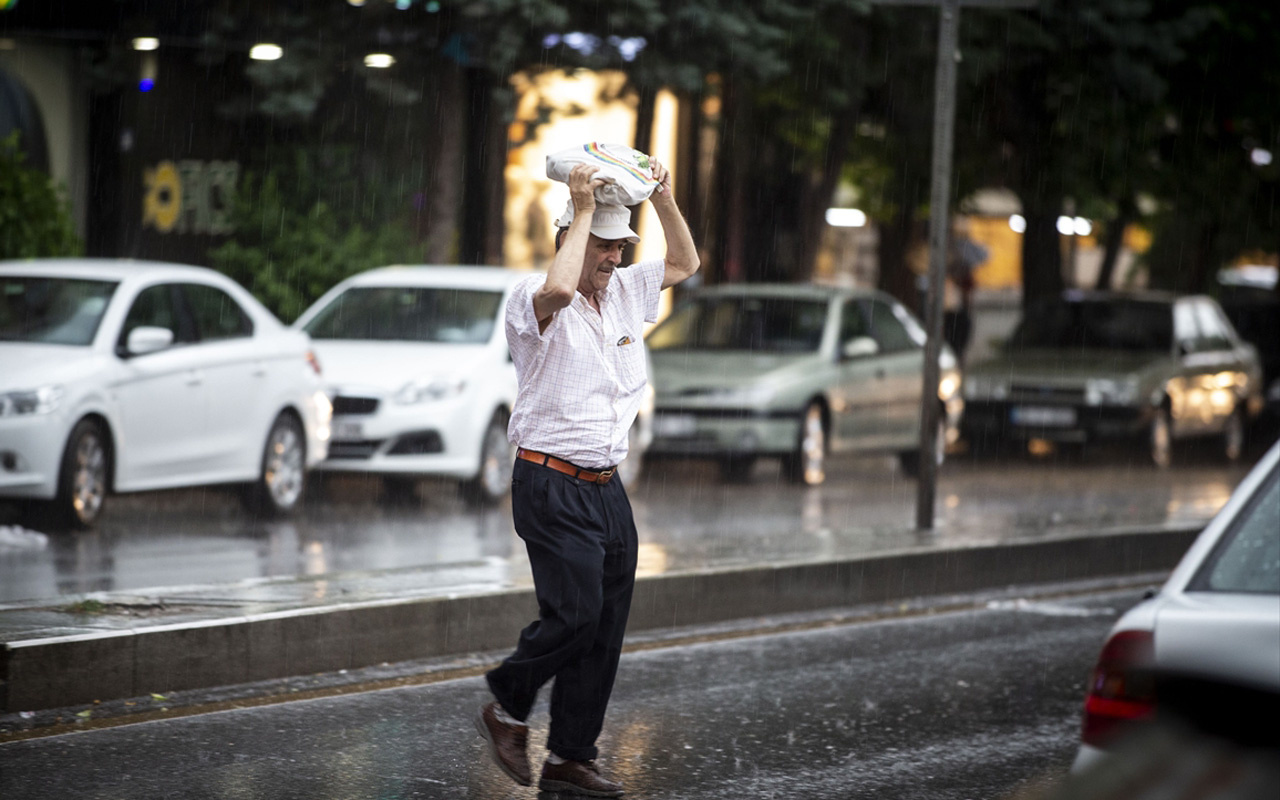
146 43
846 217
379 60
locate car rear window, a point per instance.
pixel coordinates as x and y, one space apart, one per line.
408 314
52 310
1247 559
756 324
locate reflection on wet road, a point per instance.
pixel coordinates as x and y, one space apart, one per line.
976 703
687 516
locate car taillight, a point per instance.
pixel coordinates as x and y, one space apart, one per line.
313 361
1121 689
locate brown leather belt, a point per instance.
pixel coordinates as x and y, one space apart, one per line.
560 465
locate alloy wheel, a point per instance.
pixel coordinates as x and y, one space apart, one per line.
89 477
283 471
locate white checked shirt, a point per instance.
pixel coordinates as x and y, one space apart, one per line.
582 380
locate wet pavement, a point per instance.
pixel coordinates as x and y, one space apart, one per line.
688 519
975 703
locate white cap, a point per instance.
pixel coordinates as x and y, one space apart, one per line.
608 222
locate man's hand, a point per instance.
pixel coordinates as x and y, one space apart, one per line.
663 177
582 188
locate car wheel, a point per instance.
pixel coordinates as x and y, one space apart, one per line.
279 487
807 464
1160 439
82 477
493 478
1233 437
910 459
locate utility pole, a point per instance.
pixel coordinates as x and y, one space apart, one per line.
944 116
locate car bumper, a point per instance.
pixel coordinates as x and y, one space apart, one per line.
1062 423
694 433
30 451
442 439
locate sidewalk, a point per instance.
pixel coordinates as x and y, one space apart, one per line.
118 645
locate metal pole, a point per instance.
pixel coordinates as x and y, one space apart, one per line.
944 112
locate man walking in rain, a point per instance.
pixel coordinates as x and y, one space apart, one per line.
575 338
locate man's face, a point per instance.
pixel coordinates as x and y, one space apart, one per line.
603 257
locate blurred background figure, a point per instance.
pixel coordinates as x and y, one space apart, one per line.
964 256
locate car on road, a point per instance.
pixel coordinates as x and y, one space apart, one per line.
125 376
422 382
1215 620
795 372
1087 366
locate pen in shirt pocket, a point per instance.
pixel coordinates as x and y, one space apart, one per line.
625 340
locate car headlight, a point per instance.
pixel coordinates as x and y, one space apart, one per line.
985 387
37 401
1109 392
429 390
949 384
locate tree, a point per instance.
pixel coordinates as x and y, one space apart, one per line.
35 218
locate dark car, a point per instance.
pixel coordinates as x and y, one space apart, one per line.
1092 366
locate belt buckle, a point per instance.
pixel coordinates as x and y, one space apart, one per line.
605 475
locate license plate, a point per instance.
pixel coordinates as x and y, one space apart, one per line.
1044 416
347 431
674 425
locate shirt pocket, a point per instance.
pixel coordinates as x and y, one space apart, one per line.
630 363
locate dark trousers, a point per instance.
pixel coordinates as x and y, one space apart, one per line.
581 539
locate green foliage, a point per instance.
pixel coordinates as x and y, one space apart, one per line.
293 243
35 218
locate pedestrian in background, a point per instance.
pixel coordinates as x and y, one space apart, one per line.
576 339
964 256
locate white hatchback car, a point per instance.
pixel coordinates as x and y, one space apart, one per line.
1217 617
422 382
124 376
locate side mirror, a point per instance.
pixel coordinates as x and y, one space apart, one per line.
147 339
859 348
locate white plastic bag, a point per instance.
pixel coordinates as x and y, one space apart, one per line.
628 173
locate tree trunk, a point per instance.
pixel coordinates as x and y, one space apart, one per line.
1114 242
437 221
1041 255
642 140
896 238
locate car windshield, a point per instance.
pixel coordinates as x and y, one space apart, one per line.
757 324
1097 325
52 310
1248 558
409 314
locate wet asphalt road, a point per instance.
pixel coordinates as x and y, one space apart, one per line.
688 518
971 704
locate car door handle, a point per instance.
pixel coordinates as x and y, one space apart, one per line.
195 378
880 374
259 369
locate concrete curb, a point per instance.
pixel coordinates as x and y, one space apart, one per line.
55 672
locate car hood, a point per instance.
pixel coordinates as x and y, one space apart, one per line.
388 366
1057 366
30 366
678 372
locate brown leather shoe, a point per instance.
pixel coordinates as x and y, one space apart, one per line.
507 743
577 777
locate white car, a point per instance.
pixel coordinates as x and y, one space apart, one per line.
1216 618
421 379
125 376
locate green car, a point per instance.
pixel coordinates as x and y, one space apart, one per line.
793 372
1149 367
